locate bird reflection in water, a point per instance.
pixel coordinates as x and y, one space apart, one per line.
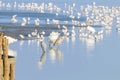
90 44
21 43
43 56
53 49
54 54
73 39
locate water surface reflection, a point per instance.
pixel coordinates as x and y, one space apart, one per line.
52 49
68 37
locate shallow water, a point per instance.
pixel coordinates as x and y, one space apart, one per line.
71 60
74 58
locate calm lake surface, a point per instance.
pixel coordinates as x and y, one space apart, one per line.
74 58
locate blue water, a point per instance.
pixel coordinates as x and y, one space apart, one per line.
78 59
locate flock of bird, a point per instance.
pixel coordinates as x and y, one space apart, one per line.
104 16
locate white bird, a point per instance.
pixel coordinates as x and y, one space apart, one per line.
54 35
83 35
55 21
91 29
38 35
83 24
72 17
37 22
34 33
100 32
14 20
21 36
29 35
56 14
58 26
73 32
8 5
64 29
24 22
48 21
15 4
59 40
41 36
43 32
